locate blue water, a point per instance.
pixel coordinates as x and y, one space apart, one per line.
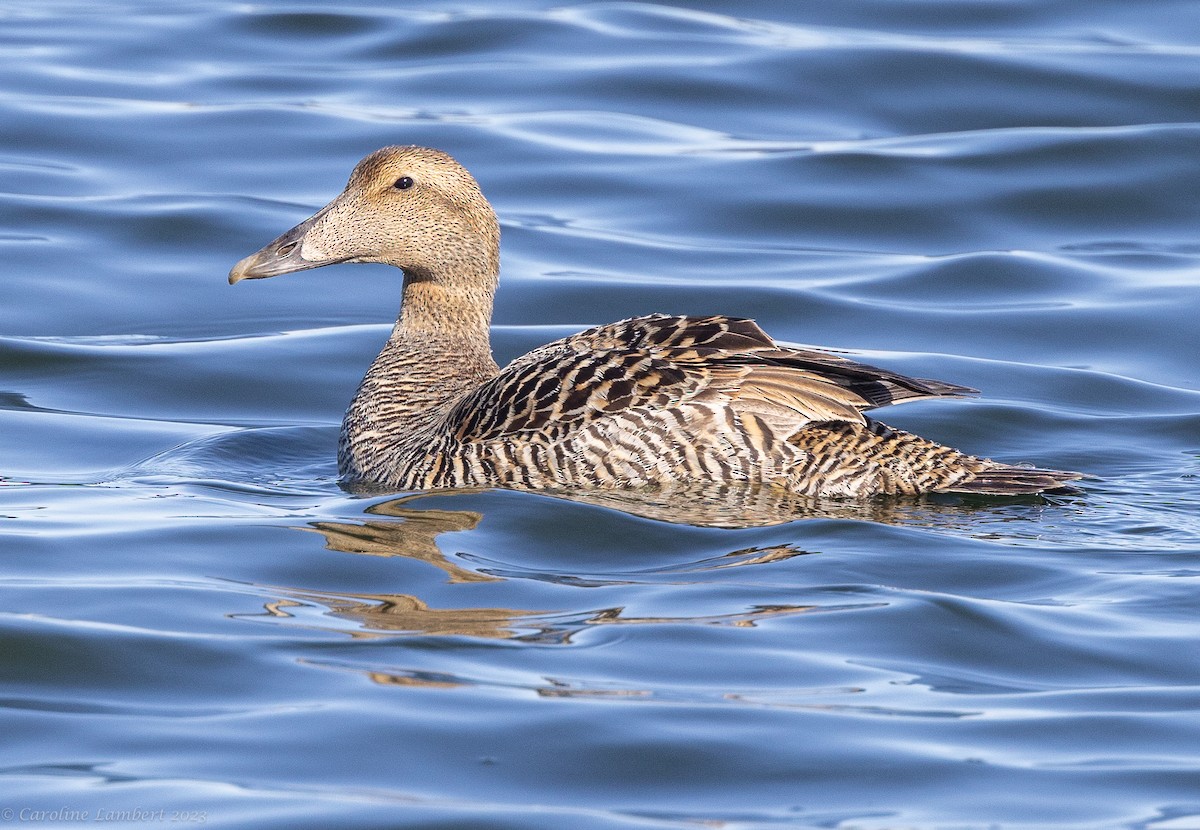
198 623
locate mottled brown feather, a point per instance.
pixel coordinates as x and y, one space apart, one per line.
660 360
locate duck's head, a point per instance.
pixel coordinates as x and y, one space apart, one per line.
411 207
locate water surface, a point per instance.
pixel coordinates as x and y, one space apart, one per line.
196 618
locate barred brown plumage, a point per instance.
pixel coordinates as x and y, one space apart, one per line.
646 402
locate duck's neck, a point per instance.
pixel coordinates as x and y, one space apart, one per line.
431 314
438 350
446 309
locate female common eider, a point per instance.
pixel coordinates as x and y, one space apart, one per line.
650 401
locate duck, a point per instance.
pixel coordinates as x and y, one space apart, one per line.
656 401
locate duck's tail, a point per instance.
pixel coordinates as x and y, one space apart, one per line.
849 459
1008 480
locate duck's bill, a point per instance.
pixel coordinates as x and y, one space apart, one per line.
283 256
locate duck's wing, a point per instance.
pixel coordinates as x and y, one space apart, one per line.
662 362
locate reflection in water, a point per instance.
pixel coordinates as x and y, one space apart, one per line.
1013 519
413 536
811 699
377 615
401 528
722 505
727 505
411 532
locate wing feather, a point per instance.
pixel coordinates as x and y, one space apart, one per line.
662 362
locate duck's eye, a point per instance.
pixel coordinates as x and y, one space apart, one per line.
403 183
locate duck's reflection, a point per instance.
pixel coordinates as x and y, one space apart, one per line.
380 614
376 615
741 505
723 505
403 527
407 531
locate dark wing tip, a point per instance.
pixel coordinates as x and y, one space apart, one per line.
1004 480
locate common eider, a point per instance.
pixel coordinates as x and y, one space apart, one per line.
650 401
